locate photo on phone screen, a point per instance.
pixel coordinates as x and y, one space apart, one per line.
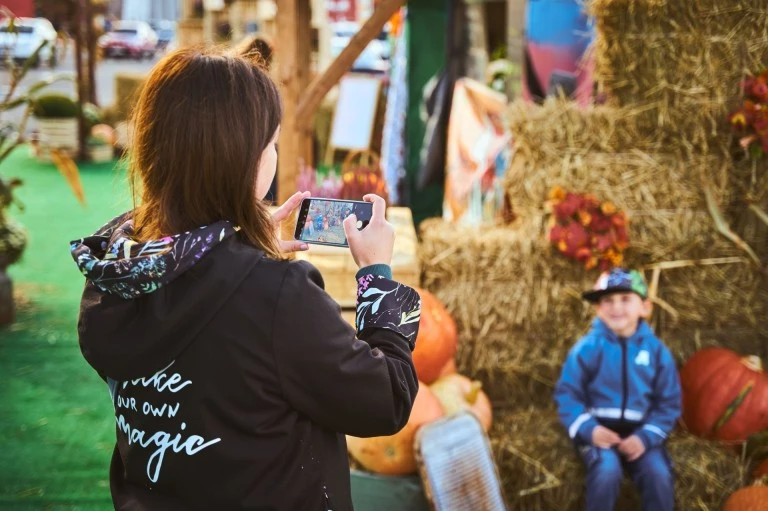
321 221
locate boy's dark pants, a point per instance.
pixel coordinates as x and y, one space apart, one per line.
651 473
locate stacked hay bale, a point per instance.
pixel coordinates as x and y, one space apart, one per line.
662 152
679 64
541 471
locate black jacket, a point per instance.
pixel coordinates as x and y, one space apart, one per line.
234 376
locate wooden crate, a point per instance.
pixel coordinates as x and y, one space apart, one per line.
339 269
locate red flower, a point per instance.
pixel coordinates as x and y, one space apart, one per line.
603 243
569 206
584 229
760 90
557 233
601 223
575 238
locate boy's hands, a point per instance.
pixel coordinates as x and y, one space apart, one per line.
605 438
632 447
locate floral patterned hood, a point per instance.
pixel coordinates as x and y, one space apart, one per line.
119 265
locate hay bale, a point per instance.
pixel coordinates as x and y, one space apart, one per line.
519 310
541 471
606 151
719 305
679 64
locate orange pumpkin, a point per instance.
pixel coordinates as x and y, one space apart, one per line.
457 393
437 339
394 455
751 498
725 396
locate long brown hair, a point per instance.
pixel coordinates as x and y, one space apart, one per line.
202 121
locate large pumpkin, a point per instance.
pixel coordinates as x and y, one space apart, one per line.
437 339
457 393
393 455
751 498
725 396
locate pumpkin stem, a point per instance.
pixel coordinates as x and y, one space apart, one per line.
753 362
474 391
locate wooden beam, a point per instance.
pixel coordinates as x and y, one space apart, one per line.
312 98
293 32
304 60
288 152
80 44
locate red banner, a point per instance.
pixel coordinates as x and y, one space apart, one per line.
341 10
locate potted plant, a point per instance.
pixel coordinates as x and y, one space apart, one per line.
13 238
13 241
56 116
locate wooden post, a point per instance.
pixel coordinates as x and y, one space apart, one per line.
343 63
293 31
304 59
81 92
91 45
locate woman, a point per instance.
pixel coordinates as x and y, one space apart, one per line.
234 377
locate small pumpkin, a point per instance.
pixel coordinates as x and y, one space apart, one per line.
394 455
437 340
725 396
457 393
751 498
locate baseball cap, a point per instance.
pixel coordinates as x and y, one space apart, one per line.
617 280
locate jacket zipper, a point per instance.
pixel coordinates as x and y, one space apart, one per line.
624 379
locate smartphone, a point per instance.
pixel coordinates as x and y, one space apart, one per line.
320 221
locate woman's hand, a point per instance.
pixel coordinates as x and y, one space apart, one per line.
286 211
375 243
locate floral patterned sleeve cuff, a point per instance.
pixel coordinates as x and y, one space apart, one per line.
377 270
384 303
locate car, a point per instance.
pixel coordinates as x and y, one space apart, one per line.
374 57
20 41
134 39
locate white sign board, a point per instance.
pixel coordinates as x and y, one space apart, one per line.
355 113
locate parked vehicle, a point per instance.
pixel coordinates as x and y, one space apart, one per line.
134 39
27 34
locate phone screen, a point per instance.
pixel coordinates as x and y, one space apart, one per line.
321 220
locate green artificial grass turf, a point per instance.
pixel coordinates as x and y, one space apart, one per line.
56 423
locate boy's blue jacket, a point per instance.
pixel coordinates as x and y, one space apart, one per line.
631 382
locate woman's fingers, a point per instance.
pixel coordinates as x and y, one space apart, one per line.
288 207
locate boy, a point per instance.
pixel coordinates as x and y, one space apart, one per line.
619 396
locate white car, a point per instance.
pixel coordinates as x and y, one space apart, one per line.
27 34
134 39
